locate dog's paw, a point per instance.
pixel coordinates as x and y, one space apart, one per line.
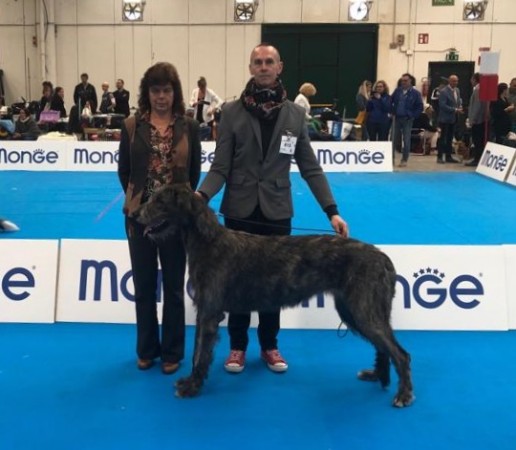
403 399
187 387
368 375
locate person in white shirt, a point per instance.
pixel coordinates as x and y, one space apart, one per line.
204 101
305 91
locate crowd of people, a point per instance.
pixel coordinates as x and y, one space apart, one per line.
407 116
411 115
50 113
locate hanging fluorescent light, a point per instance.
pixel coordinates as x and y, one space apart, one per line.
245 10
132 11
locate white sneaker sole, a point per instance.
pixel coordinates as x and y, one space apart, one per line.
277 369
233 369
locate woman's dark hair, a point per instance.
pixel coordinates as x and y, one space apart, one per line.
161 74
501 88
25 110
201 82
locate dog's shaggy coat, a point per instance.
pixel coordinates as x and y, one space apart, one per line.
239 272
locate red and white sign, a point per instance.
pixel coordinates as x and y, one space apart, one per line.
423 38
489 63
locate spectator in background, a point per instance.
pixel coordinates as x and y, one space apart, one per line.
84 92
511 97
7 128
476 121
434 97
430 132
46 99
306 90
407 104
450 104
378 109
57 103
363 95
86 112
26 128
107 101
121 98
205 101
501 110
425 89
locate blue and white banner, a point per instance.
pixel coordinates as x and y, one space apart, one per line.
438 288
92 156
496 161
449 287
33 155
28 275
511 176
102 156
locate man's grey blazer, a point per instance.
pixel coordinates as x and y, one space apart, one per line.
448 105
251 179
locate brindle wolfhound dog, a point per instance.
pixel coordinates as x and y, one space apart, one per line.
239 272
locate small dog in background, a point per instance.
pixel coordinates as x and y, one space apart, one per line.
233 271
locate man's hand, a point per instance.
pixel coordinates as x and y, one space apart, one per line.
340 226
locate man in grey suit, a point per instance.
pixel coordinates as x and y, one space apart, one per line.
450 104
257 137
476 120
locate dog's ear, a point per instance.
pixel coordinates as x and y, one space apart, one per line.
184 197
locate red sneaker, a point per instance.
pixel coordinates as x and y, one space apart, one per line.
235 362
274 360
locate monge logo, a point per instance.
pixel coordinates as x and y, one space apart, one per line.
430 288
207 157
37 156
362 157
15 283
88 156
496 162
95 275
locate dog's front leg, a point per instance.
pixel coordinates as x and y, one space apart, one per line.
205 339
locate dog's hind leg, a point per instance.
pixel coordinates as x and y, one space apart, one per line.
205 338
362 313
381 371
387 347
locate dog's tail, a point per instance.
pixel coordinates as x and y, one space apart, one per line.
389 279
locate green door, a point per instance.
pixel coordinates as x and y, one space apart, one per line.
335 58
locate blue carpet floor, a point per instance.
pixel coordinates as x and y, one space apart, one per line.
75 386
387 208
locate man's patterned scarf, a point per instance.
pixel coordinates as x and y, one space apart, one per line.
264 103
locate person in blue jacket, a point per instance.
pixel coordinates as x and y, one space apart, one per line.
379 112
407 104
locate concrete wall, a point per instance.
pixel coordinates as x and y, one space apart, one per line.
201 38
